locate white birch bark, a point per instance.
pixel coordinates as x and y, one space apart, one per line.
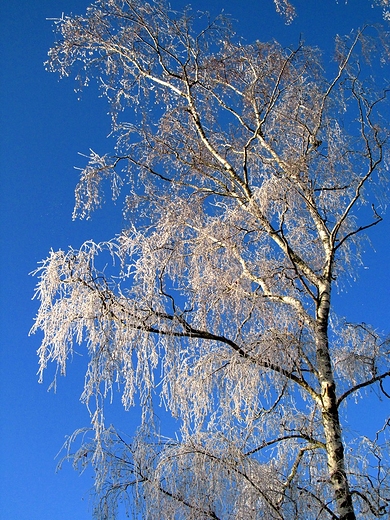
330 414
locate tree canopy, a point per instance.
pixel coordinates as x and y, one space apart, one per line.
250 176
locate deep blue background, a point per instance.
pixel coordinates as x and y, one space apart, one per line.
43 127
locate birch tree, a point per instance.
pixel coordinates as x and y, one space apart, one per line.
250 177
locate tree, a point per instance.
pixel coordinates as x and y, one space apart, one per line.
251 178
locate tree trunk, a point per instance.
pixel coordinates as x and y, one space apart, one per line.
330 414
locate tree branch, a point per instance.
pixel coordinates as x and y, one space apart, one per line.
362 385
314 442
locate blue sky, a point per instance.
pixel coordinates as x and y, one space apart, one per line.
44 126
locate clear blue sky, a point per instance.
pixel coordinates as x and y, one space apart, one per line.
43 126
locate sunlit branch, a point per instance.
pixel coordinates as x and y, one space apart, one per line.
224 163
266 292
